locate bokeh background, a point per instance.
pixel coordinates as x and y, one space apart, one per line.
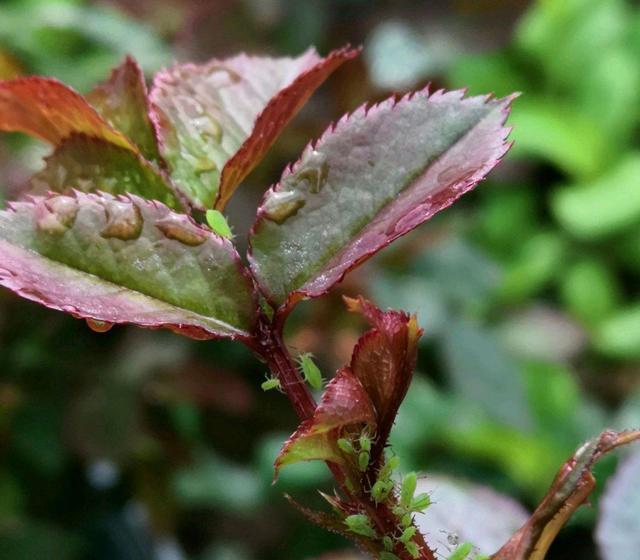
142 445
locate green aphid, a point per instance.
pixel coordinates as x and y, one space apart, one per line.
406 520
387 542
271 383
409 483
360 525
390 465
346 446
218 224
363 460
412 549
311 372
380 490
407 534
365 442
461 552
420 502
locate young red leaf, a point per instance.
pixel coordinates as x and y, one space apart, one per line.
123 102
90 164
371 178
570 489
125 260
217 120
344 403
51 111
383 360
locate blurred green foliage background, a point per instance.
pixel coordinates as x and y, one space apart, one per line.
141 445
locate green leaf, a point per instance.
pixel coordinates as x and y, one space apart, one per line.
619 335
605 206
125 260
538 262
217 120
375 175
590 290
90 164
122 100
553 131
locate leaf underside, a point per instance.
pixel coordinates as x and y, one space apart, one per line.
371 178
344 403
125 260
217 120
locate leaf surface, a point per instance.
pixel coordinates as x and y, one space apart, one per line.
90 164
344 403
123 102
51 111
125 260
217 120
370 179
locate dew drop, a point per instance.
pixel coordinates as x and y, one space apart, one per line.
56 215
209 128
99 326
204 164
181 229
124 221
314 170
281 205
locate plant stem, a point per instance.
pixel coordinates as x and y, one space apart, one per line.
271 348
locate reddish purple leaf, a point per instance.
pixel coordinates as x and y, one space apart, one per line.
383 360
344 403
217 120
371 178
51 111
125 260
123 101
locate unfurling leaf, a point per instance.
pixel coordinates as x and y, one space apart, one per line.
122 100
125 260
90 164
570 489
51 111
371 178
383 361
217 120
344 403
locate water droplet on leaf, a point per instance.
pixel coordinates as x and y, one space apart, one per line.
281 205
99 326
181 229
124 220
56 215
